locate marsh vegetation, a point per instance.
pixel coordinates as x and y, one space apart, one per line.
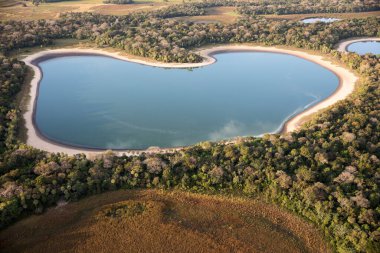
158 221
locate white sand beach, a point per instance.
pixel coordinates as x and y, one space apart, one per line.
346 87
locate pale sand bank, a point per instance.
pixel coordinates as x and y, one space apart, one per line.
35 139
342 46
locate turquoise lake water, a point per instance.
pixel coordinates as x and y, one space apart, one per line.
315 20
101 102
365 47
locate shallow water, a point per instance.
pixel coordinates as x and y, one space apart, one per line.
98 101
365 47
314 20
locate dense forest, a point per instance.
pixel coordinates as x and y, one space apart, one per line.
328 172
289 7
169 40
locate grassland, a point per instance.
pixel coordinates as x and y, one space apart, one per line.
11 9
157 221
225 15
24 10
327 15
21 10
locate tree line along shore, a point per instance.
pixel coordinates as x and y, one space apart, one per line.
327 171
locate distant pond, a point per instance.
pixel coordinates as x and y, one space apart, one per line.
365 47
315 20
102 102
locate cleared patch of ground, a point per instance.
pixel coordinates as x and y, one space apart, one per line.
224 15
25 10
157 221
326 15
30 12
126 8
9 3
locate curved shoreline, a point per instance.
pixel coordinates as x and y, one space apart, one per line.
343 45
38 140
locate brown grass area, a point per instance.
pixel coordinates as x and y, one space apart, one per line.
158 221
224 15
13 10
327 15
126 8
30 12
52 10
9 3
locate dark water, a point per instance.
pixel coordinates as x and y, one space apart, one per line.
102 102
315 20
365 47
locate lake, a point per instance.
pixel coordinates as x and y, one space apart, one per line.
365 47
102 102
315 20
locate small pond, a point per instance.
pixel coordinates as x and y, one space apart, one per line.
315 20
365 47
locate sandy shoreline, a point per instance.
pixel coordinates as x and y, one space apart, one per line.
342 46
36 139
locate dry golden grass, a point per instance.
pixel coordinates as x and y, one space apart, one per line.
9 3
30 12
224 15
328 15
52 10
126 8
21 10
156 221
12 9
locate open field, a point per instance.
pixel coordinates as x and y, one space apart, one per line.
24 10
10 3
30 12
114 9
21 10
165 222
215 15
52 10
327 15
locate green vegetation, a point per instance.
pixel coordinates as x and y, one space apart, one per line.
123 210
152 35
296 7
12 74
328 172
